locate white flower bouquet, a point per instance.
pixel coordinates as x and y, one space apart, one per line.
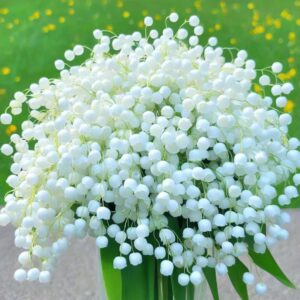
159 148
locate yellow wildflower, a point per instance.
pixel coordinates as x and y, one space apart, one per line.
257 88
61 19
120 4
250 5
218 26
291 60
258 30
5 71
145 12
197 4
126 14
48 12
285 14
268 36
233 41
36 15
293 72
141 24
277 23
11 129
289 107
157 17
49 27
292 36
269 20
4 11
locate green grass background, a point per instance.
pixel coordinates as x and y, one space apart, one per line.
33 33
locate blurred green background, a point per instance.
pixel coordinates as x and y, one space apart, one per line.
33 33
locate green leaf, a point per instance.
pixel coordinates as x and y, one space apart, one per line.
112 277
138 282
210 275
267 262
236 277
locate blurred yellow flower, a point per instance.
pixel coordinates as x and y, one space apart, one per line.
126 14
157 17
258 30
109 27
11 129
233 41
291 60
2 91
289 75
268 36
293 72
285 14
197 4
250 5
298 22
292 36
257 88
255 16
218 26
36 15
49 27
141 24
277 23
120 4
71 11
145 12
4 11
289 107
48 12
61 19
5 71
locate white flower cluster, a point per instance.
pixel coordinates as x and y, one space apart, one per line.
150 130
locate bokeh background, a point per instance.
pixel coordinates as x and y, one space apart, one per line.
33 33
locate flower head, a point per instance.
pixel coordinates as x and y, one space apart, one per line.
148 132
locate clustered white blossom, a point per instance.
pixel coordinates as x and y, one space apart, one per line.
150 129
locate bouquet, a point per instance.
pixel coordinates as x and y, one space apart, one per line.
159 147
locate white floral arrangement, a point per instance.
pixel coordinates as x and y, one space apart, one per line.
158 144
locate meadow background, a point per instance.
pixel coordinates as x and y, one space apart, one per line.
34 33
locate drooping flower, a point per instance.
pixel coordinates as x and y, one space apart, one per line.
146 131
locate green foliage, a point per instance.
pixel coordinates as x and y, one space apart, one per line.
210 275
112 278
235 274
139 282
267 262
